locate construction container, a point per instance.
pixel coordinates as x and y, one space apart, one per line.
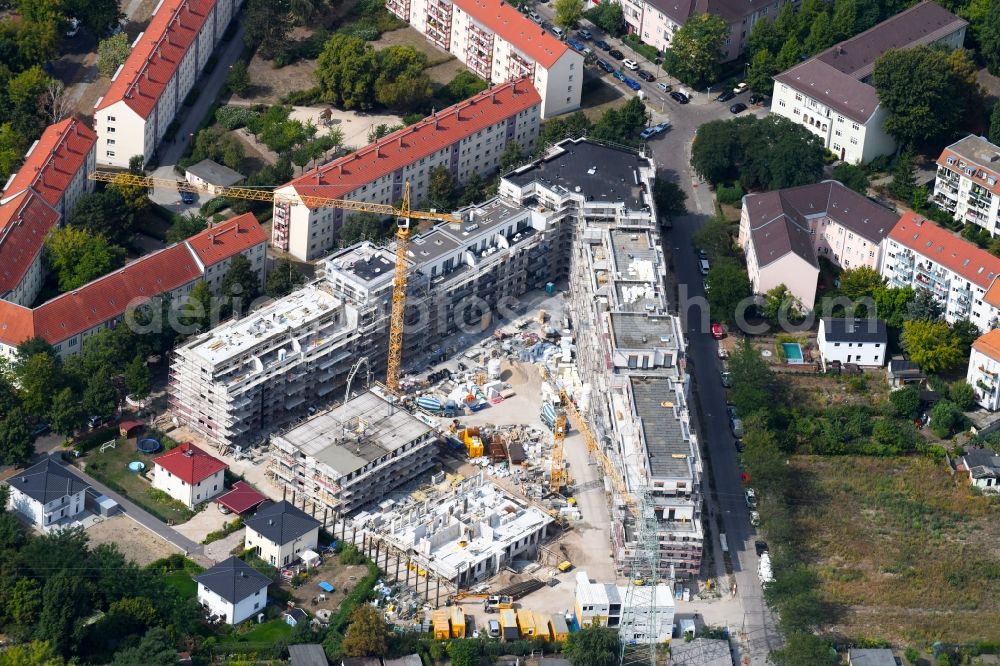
560 630
508 625
526 622
439 621
542 627
457 622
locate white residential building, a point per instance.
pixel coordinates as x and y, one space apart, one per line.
966 184
960 275
148 91
830 94
279 533
983 467
783 233
859 341
610 605
500 44
232 590
984 370
48 495
467 138
188 474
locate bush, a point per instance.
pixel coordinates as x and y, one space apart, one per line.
214 205
234 117
303 97
645 50
227 529
730 196
963 395
351 555
96 438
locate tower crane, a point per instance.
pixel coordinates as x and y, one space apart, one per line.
557 480
403 215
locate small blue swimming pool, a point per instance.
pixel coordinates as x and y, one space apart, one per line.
793 352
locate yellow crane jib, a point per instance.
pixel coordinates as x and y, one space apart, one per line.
558 479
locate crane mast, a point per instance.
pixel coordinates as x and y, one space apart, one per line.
396 318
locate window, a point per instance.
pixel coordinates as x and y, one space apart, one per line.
111 119
854 141
855 126
111 130
111 142
111 153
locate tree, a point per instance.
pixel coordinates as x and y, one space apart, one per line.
938 108
592 646
240 284
441 188
622 125
781 305
669 198
924 305
693 56
100 398
946 418
778 153
79 257
802 647
65 414
38 376
99 17
185 226
764 36
464 653
995 124
34 653
103 213
512 157
985 19
609 17
25 602
239 78
932 345
820 34
112 54
845 19
891 304
366 634
219 145
346 71
728 290
16 441
266 24
137 378
196 311
364 226
755 390
966 332
715 237
715 150
473 189
904 179
135 196
790 54
963 395
401 82
568 13
852 176
282 279
155 649
55 104
860 282
763 66
906 402
304 11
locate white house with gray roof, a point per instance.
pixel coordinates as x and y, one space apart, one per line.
279 533
848 340
47 494
830 94
232 590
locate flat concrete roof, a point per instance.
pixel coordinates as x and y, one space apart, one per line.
669 454
633 330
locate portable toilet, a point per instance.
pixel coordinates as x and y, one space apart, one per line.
560 630
542 627
526 621
508 624
457 622
439 620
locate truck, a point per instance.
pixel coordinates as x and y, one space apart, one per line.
508 625
496 602
764 569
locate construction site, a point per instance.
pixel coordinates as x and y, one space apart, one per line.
534 420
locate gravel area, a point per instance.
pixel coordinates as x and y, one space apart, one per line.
133 540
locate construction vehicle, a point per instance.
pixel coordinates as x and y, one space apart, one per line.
496 602
403 214
558 476
565 566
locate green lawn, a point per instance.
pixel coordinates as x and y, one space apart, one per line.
111 468
268 632
183 583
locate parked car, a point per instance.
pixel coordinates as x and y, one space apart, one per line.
739 107
616 54
679 97
645 76
584 35
725 96
726 379
632 83
94 421
535 17
755 519
717 331
736 425
603 45
751 498
630 64
665 87
731 411
650 132
723 353
760 547
557 31
605 65
74 27
618 75
740 87
704 266
739 445
756 99
187 196
575 44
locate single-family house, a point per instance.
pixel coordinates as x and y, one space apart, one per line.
47 494
188 474
232 590
901 372
849 340
280 533
871 657
983 467
295 616
308 654
212 176
983 374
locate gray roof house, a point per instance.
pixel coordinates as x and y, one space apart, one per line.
983 466
47 494
212 175
871 657
279 533
307 654
232 590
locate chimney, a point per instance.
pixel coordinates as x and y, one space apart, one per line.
318 177
493 98
237 227
211 239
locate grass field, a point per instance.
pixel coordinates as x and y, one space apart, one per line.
111 468
183 583
905 553
268 632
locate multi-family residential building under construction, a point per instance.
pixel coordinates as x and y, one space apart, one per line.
582 212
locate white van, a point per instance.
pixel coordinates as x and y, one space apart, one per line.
558 32
703 266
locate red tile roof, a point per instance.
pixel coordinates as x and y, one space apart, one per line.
989 344
25 222
515 28
16 323
950 250
54 160
228 239
189 463
409 145
158 54
992 295
241 498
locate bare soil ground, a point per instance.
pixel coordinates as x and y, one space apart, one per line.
270 83
904 551
342 577
133 540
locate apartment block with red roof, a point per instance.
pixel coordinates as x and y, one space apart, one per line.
468 137
967 182
499 44
65 321
148 90
983 374
960 275
188 474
